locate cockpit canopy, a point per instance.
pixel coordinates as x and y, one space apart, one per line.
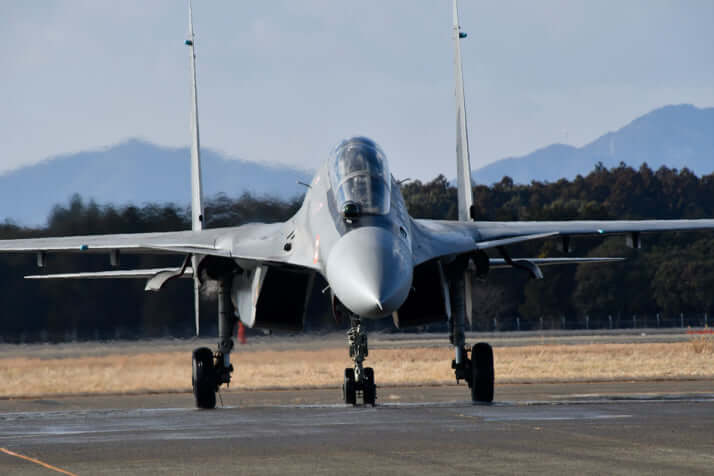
360 178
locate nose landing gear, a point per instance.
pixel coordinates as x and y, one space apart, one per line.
359 380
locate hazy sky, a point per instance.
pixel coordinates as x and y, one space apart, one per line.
284 81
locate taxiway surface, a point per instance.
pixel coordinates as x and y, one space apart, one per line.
599 428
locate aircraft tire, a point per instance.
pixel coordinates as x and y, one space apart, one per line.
349 389
482 373
204 378
370 388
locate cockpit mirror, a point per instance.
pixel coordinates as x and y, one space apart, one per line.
352 211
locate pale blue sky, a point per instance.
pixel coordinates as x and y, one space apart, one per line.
283 81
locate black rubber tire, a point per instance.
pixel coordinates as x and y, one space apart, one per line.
370 387
482 373
204 378
349 390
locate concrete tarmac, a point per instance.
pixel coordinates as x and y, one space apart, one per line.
599 428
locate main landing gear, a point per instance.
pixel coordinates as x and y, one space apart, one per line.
359 381
212 369
478 370
204 381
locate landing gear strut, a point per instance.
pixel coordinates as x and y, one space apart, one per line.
212 369
359 380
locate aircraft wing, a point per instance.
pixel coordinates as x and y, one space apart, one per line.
437 238
251 242
131 242
498 230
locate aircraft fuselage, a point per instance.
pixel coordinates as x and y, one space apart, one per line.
365 255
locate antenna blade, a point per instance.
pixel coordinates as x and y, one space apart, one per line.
463 160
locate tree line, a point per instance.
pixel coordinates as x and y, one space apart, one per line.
673 275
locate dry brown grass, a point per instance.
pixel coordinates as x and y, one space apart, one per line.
703 344
261 369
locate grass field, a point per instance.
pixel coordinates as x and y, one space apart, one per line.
259 368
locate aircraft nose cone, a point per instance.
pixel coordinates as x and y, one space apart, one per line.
370 271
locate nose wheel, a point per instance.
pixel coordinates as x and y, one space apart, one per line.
352 390
369 388
349 390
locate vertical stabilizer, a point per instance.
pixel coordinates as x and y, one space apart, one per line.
196 183
463 160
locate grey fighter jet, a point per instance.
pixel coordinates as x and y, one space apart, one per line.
353 229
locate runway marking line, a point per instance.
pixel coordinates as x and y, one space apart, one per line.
36 461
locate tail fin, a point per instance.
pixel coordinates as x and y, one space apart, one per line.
463 160
196 184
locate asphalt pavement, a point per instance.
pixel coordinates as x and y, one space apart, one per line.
664 427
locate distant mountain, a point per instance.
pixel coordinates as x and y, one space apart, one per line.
135 172
675 136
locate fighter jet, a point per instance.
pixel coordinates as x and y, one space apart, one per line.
353 229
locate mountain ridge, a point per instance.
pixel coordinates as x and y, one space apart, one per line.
136 171
675 136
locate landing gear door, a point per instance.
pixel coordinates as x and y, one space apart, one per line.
246 291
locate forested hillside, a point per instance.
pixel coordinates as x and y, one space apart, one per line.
673 275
